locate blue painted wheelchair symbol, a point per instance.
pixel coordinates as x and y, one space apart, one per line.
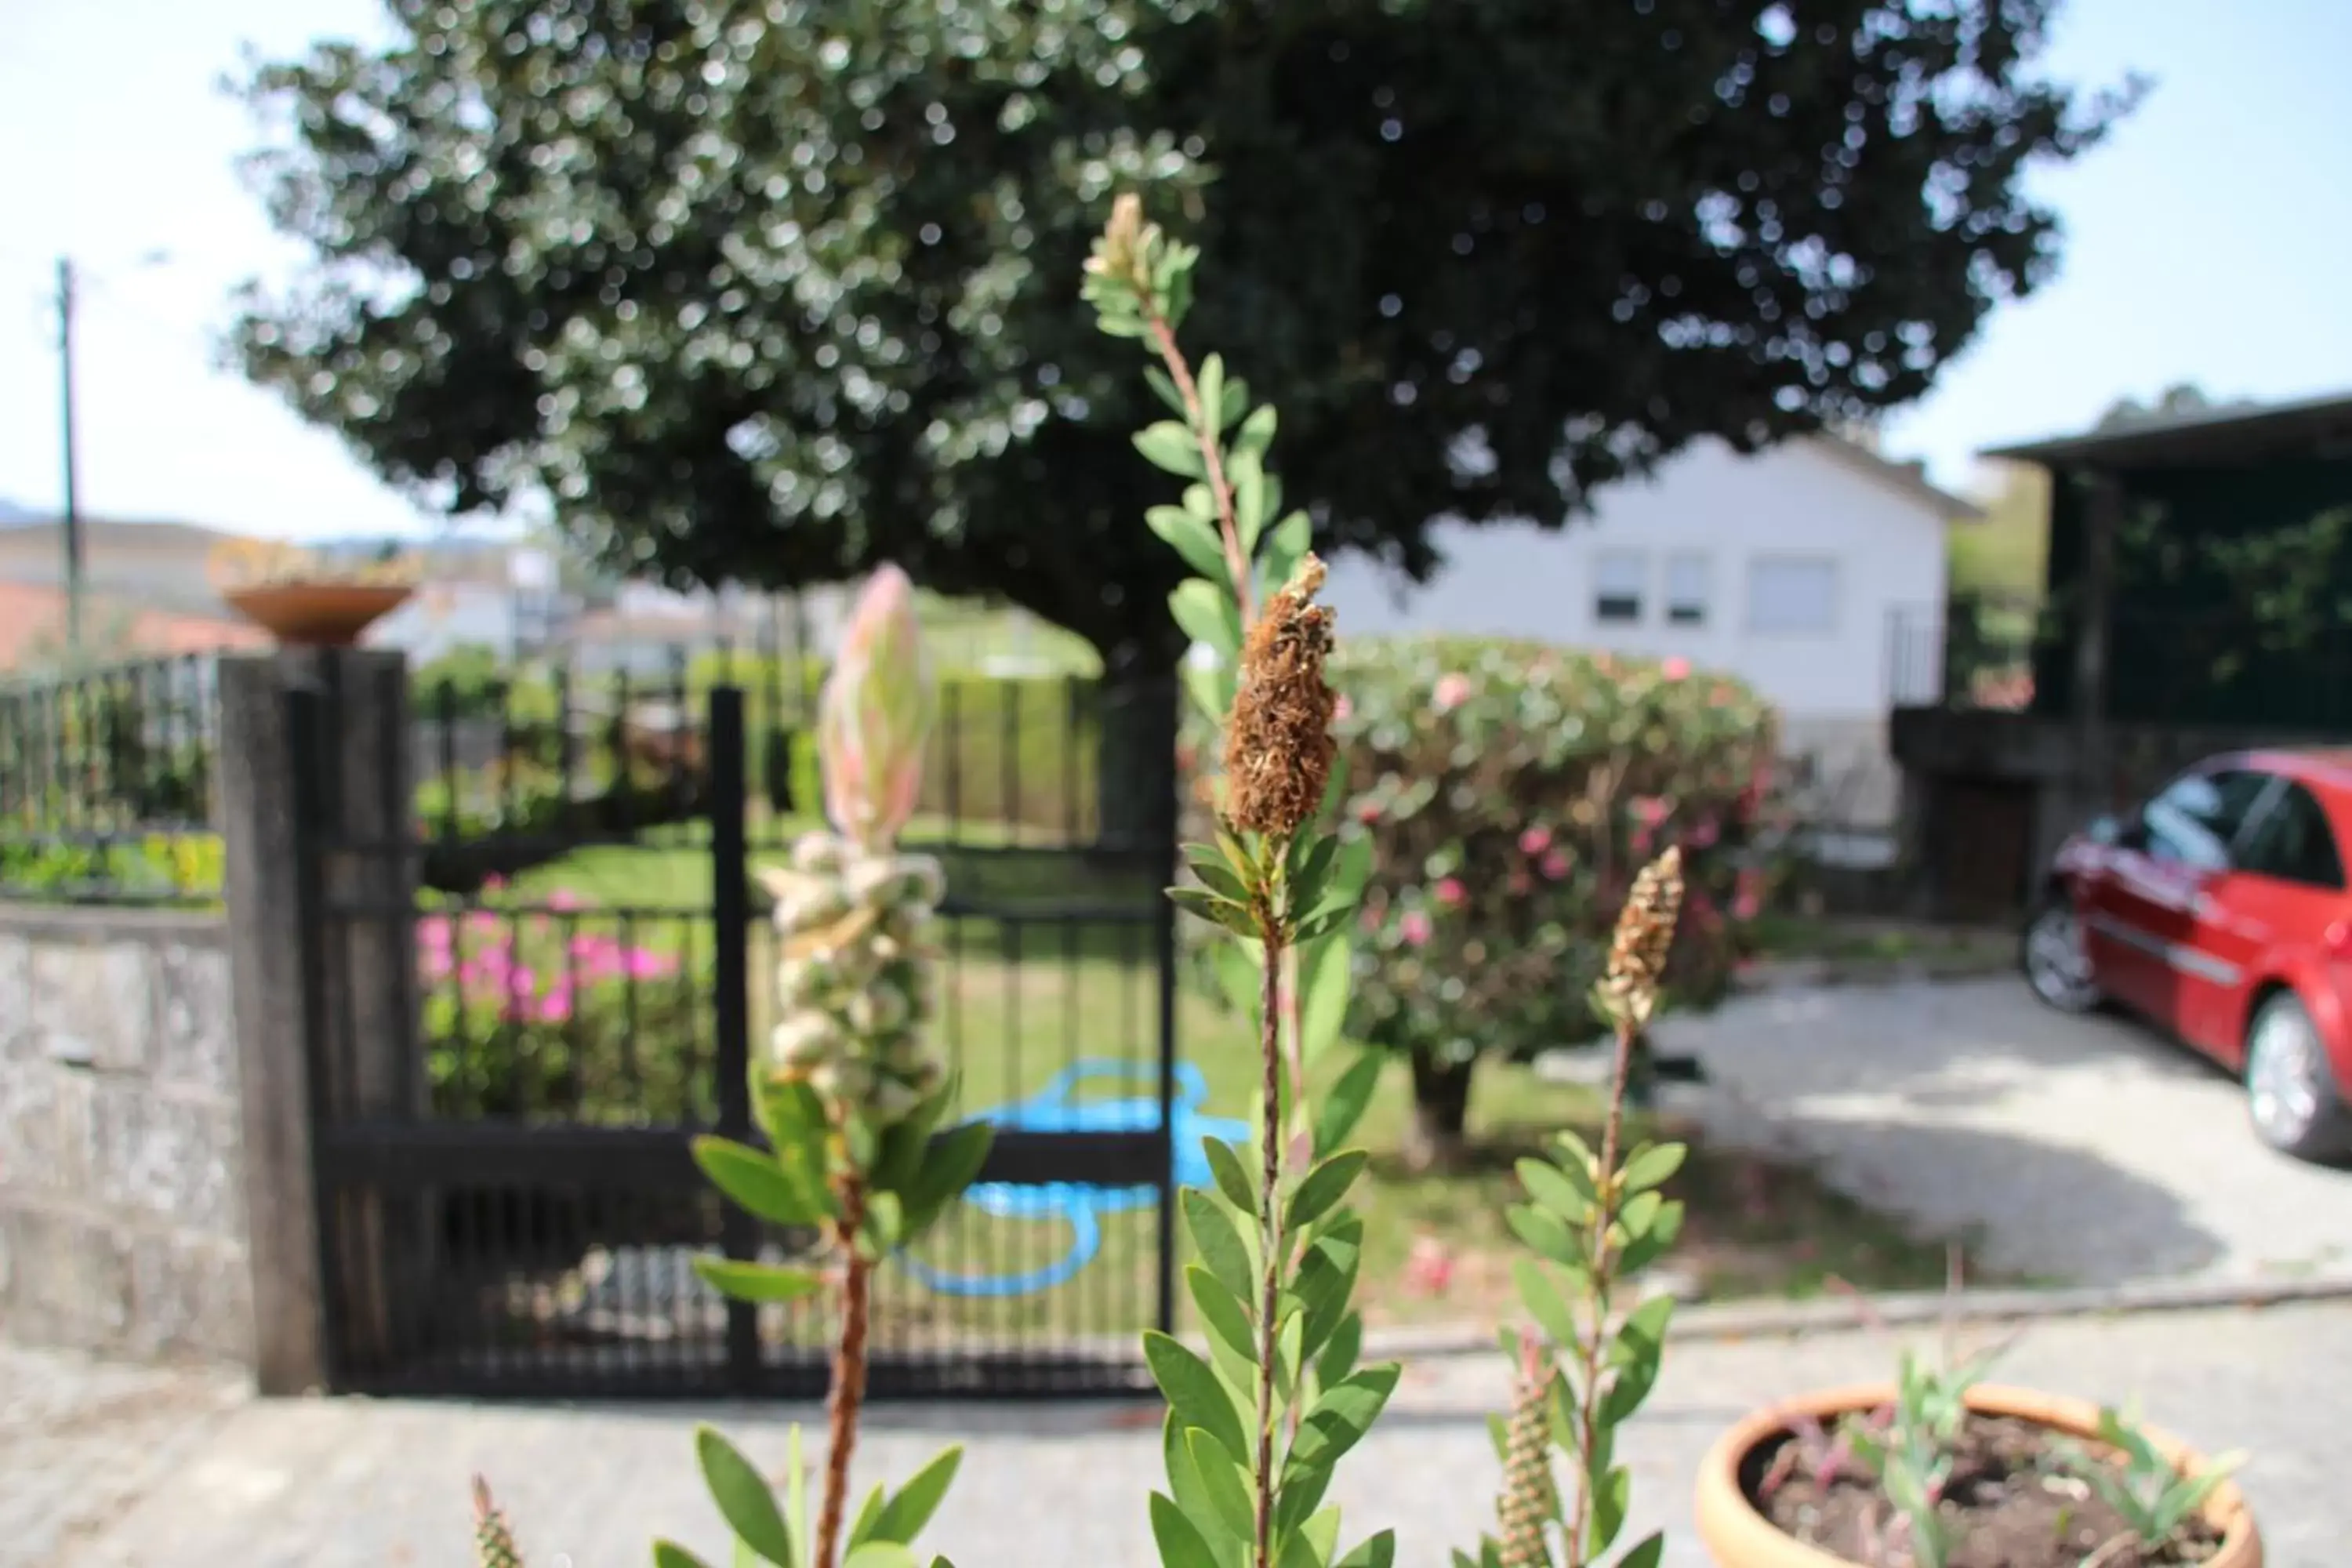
1081 1205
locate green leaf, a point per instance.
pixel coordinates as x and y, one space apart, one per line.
884 1225
1210 687
1344 1106
1338 1419
1376 1552
1566 1191
1221 1482
862 1529
1645 1553
1195 538
1222 1311
1171 447
742 1497
1208 614
1256 433
1289 542
1236 398
757 1281
1324 1282
1219 1244
1645 1249
1332 917
1311 1544
670 1554
1194 1393
1338 1357
1323 979
1179 1540
1209 384
1248 480
1544 1301
1641 1212
1166 391
1651 1166
796 1496
1214 910
1323 1189
905 1515
755 1181
1216 873
881 1554
1232 1177
954 1160
1543 1230
1608 1502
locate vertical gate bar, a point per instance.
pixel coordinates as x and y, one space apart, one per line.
730 917
1161 843
305 759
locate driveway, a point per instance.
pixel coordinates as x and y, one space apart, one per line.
2080 1150
354 1483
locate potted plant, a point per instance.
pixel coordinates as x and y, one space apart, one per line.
1941 1470
303 601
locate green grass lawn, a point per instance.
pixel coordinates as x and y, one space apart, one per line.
1024 998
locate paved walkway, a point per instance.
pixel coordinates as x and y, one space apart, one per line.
2084 1150
155 1471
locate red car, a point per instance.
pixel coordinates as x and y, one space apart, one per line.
2219 910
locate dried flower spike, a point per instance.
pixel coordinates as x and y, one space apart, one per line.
494 1544
1279 746
1529 1500
1645 935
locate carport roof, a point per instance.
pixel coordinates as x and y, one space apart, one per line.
2316 427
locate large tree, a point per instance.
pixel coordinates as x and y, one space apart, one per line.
776 290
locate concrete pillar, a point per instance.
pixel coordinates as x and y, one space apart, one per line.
321 882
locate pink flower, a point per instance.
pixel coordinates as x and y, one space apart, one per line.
1640 842
1651 809
1413 928
1747 895
494 884
643 964
1702 834
1555 865
1451 893
1429 1266
556 1006
1451 692
565 899
1674 669
1370 811
876 715
1535 840
1340 709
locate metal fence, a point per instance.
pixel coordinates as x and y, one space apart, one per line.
106 786
590 980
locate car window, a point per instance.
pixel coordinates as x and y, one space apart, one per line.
2293 841
2193 819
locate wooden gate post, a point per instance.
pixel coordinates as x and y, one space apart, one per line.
325 1001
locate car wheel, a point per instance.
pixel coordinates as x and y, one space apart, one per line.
2289 1091
2057 964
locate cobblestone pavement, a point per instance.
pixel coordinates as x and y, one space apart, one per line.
2084 1150
345 1483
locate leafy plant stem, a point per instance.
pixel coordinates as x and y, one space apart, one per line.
1206 426
848 1391
1269 1226
1604 1219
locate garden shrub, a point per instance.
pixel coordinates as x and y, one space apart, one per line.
1511 791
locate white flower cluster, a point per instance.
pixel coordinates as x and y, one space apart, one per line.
853 983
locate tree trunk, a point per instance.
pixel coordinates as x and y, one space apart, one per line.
1435 1138
1135 775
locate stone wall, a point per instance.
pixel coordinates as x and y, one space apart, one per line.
122 1223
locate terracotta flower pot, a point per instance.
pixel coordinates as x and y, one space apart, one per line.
319 614
1737 1536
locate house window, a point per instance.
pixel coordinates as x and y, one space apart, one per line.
1792 595
1686 590
1617 583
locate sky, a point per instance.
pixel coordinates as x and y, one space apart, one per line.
2206 242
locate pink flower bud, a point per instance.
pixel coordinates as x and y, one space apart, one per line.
1674 669
1451 893
1453 691
876 715
1414 928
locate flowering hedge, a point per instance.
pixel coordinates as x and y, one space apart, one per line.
1511 791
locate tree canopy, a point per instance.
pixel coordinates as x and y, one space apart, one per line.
773 291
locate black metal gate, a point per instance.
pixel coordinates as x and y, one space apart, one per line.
507 1206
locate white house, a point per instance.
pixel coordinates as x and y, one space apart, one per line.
1813 570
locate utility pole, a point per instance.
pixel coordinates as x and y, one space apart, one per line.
70 522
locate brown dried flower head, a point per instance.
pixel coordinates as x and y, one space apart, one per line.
1278 745
1645 933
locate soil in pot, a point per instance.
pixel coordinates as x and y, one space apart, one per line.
2011 1504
